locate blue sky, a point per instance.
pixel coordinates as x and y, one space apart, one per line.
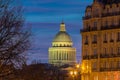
44 18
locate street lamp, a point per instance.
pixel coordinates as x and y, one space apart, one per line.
73 74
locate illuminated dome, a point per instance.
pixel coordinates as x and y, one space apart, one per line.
62 52
62 38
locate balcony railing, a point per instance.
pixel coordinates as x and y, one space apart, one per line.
109 55
94 69
111 14
118 40
94 42
102 15
111 40
84 30
102 28
110 27
86 43
86 17
110 69
94 56
86 57
105 41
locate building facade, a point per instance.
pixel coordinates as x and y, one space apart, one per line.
62 52
101 41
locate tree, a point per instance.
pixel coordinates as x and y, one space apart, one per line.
14 39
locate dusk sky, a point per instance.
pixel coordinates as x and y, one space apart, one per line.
44 18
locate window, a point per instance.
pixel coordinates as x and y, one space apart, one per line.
118 36
105 38
111 37
86 40
111 65
111 50
105 64
107 10
105 51
86 52
95 51
94 38
88 13
106 23
94 66
118 63
96 12
118 50
95 25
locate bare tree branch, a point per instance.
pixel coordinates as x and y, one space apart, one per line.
14 40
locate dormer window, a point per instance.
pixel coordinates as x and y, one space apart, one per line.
88 13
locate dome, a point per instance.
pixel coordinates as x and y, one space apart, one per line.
62 36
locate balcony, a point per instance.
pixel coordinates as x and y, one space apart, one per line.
86 17
86 57
111 55
105 41
94 56
94 69
102 15
110 27
111 40
84 30
118 55
104 56
110 69
86 43
118 40
111 14
94 29
94 42
102 28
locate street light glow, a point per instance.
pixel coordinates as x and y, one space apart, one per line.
71 72
75 72
77 65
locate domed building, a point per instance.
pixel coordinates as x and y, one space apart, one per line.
62 52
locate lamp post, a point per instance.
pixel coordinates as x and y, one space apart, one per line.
73 74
